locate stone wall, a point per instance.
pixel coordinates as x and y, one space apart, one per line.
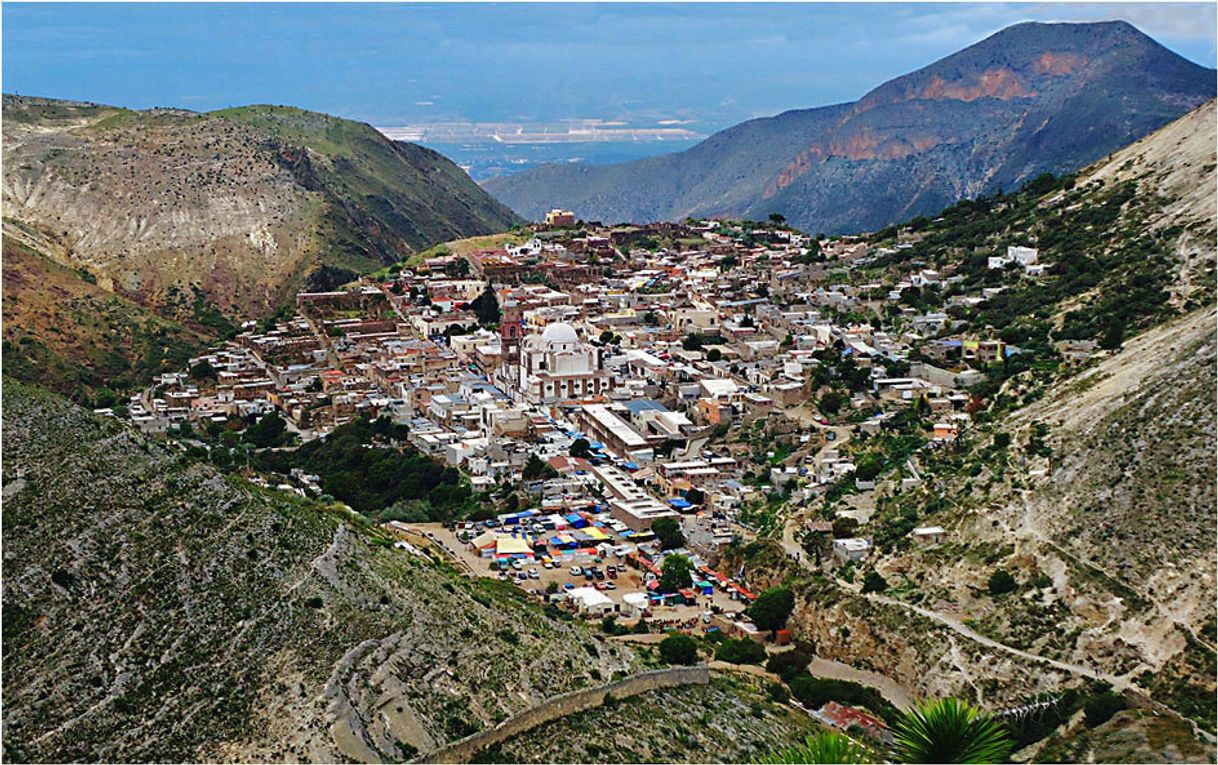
463 750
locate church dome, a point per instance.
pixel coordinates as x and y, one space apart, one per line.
559 334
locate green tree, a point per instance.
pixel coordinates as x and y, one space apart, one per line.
740 651
486 307
873 582
778 218
580 448
772 608
1113 335
203 371
678 648
674 573
950 731
668 531
714 354
535 468
831 402
268 431
1100 708
1001 582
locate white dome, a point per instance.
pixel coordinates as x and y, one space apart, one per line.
559 333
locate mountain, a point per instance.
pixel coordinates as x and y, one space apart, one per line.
201 218
157 610
1094 487
1031 99
247 204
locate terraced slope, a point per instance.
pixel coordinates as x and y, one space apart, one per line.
156 610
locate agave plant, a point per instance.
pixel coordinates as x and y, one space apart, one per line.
821 748
950 731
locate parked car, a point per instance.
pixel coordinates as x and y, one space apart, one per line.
533 573
610 586
576 571
600 575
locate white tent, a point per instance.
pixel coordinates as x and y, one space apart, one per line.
590 600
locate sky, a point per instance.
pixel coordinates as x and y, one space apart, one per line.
698 65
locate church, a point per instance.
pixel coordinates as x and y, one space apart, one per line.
556 366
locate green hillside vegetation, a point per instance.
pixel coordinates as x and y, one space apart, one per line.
64 332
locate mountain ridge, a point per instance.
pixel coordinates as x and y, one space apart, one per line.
1031 98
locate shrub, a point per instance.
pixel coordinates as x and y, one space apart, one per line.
679 649
1100 708
1001 582
873 582
778 693
788 664
772 608
741 651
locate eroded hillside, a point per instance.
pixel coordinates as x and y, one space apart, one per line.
246 204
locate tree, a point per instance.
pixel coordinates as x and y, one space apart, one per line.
203 371
873 582
740 651
827 747
1113 335
1001 582
486 306
772 608
844 527
788 664
651 319
534 468
580 448
831 402
679 649
1100 708
668 531
950 731
714 354
868 469
674 573
778 218
268 431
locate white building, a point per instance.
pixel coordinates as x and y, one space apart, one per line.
850 550
556 366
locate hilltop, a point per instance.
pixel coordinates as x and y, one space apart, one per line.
1032 98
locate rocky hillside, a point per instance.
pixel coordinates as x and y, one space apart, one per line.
156 610
1093 489
734 719
246 204
1032 98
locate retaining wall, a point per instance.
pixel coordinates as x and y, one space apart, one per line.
463 750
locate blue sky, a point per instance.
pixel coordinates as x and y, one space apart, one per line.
392 64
